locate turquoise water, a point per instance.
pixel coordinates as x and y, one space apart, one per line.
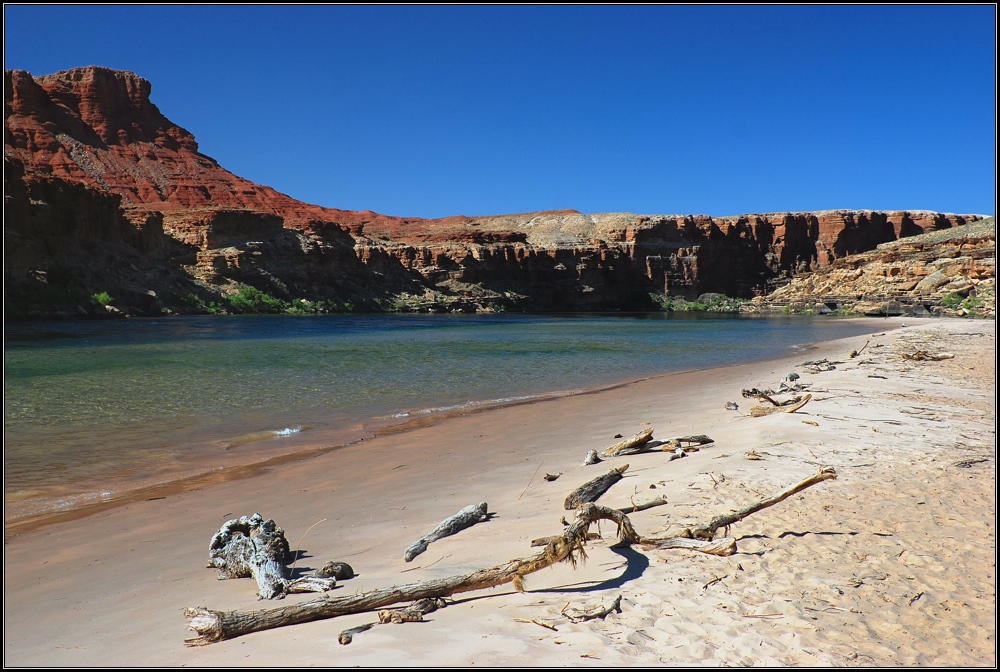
94 408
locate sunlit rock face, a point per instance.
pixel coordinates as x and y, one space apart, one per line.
100 183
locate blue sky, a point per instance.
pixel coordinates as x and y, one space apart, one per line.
435 111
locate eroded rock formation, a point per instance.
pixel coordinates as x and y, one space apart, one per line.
109 195
950 271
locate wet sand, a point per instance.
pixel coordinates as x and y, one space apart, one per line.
893 563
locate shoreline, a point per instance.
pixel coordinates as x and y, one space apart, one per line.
109 588
30 513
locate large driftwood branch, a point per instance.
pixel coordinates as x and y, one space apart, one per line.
467 517
708 531
251 546
591 490
637 440
213 626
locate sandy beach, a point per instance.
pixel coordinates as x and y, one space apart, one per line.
893 563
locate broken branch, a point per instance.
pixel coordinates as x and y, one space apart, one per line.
708 531
591 490
636 440
467 517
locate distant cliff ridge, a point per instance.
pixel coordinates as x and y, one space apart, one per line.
106 195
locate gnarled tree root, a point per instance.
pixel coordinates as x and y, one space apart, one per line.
251 546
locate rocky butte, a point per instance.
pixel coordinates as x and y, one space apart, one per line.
106 196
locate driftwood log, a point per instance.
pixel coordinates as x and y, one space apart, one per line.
212 626
467 517
924 356
631 442
251 546
591 490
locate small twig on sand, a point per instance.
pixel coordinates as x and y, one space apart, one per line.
529 481
536 622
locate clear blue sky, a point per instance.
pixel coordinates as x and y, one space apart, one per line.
435 111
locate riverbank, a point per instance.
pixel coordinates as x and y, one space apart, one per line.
893 563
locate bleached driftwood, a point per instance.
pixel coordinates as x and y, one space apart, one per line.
724 546
659 501
708 530
758 411
636 440
212 626
578 616
251 546
693 441
592 458
467 517
923 355
591 490
673 444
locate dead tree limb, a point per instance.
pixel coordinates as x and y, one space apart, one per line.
251 546
725 546
708 530
923 355
788 407
636 440
602 612
467 517
213 626
659 501
591 490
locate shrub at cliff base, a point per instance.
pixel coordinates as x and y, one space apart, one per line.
709 302
251 300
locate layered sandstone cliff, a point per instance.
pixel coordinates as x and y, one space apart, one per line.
103 188
951 271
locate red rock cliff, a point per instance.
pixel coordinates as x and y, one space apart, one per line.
91 133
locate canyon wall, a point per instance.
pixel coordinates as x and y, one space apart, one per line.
107 194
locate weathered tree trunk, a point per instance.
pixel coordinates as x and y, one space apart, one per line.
591 490
213 626
637 440
467 517
252 546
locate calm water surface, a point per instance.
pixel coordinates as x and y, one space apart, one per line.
93 409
